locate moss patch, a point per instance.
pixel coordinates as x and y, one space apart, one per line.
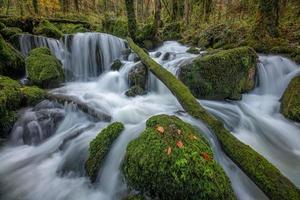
8 32
174 162
11 61
99 147
225 74
44 69
48 29
71 28
290 106
32 95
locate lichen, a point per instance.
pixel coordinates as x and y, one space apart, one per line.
99 147
171 159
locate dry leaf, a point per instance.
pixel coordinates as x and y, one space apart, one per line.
193 137
205 156
179 144
169 150
160 129
178 131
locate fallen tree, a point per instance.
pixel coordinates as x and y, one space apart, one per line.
98 115
266 176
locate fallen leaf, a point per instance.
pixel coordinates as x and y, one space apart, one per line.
205 156
169 150
178 131
179 144
160 129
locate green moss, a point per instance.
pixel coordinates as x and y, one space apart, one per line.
71 28
263 173
8 32
225 74
290 106
193 50
187 172
171 31
2 26
134 197
48 29
32 95
7 121
43 69
117 26
99 147
11 61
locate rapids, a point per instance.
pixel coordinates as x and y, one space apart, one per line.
52 167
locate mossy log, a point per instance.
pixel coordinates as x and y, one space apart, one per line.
98 115
267 177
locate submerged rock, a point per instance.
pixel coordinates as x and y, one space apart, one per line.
226 74
138 78
99 147
133 57
11 61
116 65
170 159
44 69
48 29
290 106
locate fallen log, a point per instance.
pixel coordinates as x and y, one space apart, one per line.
266 176
98 115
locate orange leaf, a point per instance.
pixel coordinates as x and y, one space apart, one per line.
169 150
205 156
179 144
178 131
160 129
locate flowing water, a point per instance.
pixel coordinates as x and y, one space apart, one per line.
38 164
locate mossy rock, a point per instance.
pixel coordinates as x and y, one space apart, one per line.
32 95
226 74
2 26
99 147
48 29
11 61
290 106
71 28
134 197
8 32
193 50
10 100
170 159
44 69
116 65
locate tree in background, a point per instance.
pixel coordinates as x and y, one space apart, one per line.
132 25
35 6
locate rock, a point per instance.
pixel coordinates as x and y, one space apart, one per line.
43 69
32 95
8 32
125 53
134 197
133 57
148 44
226 74
48 29
290 106
99 147
116 65
157 54
2 26
11 61
10 100
166 56
170 159
193 50
138 78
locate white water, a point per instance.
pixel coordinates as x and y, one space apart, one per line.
54 169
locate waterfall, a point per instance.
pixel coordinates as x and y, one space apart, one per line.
83 55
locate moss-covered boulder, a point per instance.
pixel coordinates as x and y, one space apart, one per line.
193 50
8 32
290 103
10 100
116 65
32 95
226 74
71 28
99 147
43 69
2 26
48 29
11 61
170 159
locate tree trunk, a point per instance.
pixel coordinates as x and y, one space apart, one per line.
35 6
267 177
187 12
157 16
267 19
76 4
132 26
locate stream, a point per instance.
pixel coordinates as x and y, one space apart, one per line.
39 164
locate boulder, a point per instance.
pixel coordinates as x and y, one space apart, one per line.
43 69
193 50
138 78
11 61
32 95
133 57
8 32
223 75
116 65
170 159
290 101
47 29
99 147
